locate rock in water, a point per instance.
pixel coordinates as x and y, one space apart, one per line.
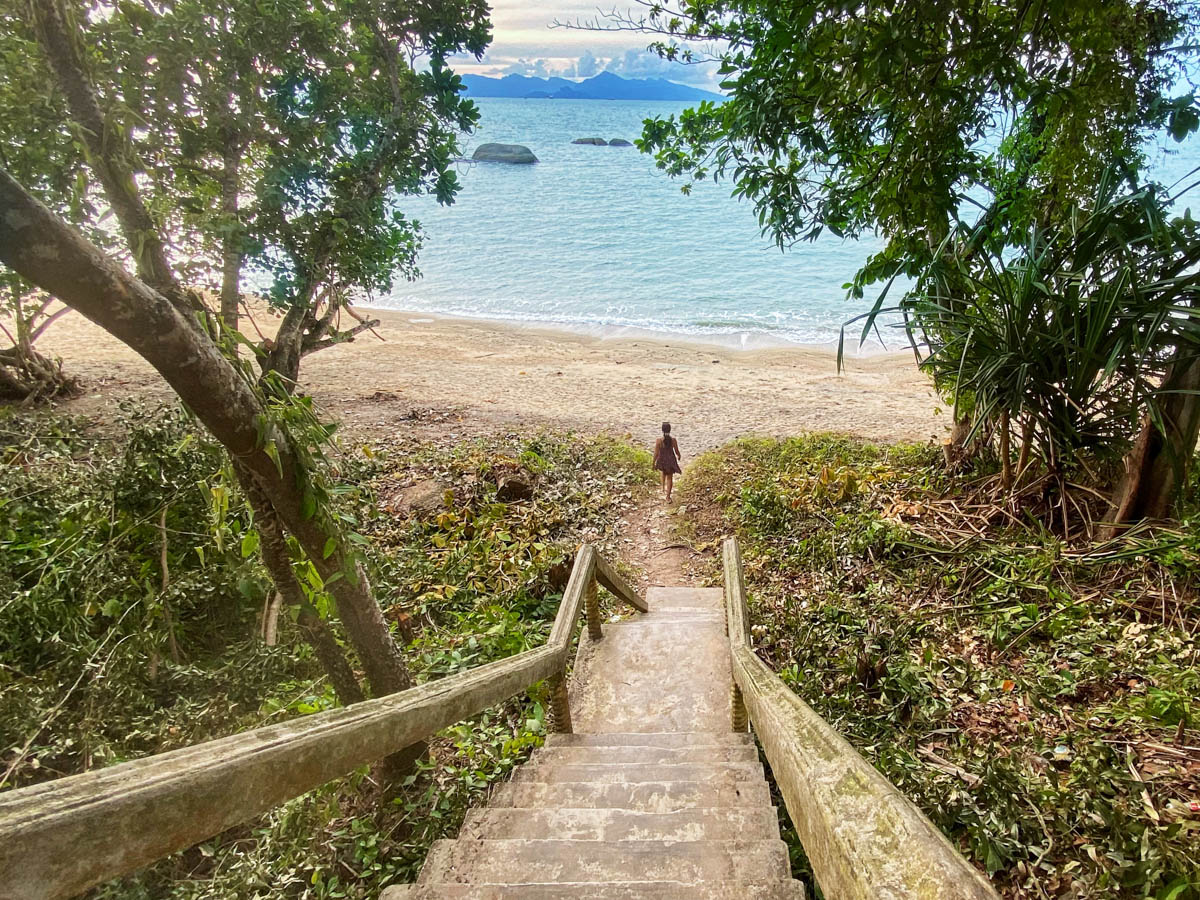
599 142
620 142
507 153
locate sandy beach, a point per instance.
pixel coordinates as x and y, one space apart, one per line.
466 376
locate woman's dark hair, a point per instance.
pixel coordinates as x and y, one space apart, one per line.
666 427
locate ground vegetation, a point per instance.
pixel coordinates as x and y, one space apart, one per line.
135 603
1034 696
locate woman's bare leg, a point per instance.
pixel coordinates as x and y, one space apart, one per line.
670 483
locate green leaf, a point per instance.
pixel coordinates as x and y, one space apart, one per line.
250 542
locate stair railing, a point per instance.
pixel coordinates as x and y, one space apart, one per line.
59 838
864 839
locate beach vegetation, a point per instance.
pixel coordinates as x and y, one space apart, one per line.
1066 352
135 599
1035 696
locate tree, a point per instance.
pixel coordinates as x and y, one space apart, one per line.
305 157
883 116
920 120
354 122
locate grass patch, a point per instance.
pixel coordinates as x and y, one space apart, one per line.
1036 699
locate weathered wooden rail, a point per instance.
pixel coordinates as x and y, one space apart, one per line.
60 838
864 839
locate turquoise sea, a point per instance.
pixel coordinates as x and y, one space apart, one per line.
596 238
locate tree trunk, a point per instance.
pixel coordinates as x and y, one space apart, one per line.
284 353
1026 446
1158 464
954 450
27 376
1005 451
359 611
39 246
320 636
231 258
269 627
273 547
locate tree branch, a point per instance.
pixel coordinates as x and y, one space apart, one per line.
109 150
45 250
342 337
47 322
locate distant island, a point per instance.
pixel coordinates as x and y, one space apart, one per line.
605 86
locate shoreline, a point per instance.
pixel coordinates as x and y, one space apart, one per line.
454 376
746 341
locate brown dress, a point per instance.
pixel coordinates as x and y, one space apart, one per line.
664 455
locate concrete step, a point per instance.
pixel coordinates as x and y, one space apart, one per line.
614 755
697 621
551 862
649 797
697 824
669 611
685 608
684 596
643 890
655 674
651 739
640 773
676 613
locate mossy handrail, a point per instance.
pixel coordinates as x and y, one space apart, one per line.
62 837
863 838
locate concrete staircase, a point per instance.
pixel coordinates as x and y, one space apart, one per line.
652 795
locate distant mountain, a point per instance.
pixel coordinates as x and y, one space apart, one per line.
605 86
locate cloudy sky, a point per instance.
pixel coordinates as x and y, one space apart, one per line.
524 42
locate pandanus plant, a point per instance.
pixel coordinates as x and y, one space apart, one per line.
1074 333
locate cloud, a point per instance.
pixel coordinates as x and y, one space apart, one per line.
644 64
587 66
627 62
538 68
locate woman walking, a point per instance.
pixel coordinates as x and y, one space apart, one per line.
666 459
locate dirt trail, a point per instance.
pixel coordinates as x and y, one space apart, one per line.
649 543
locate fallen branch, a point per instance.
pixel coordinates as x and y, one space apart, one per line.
354 315
944 765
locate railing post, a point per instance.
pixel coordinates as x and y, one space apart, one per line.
738 717
560 705
593 610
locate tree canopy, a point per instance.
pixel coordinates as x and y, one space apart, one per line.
968 135
902 115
